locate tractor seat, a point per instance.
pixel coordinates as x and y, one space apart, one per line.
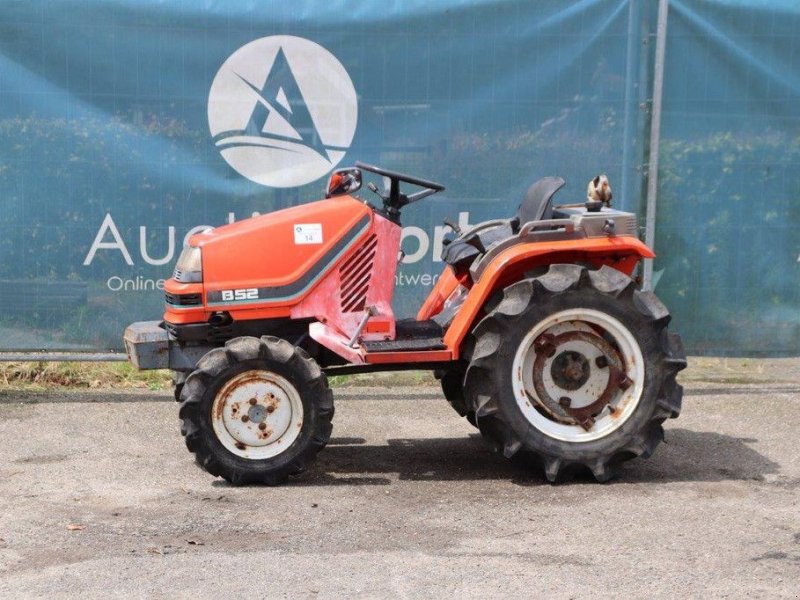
535 206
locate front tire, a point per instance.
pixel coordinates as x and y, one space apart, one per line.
576 368
256 411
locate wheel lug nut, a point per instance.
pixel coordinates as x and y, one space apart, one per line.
565 401
262 426
601 362
245 418
253 401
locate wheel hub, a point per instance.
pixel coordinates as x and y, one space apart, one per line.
257 414
570 370
578 375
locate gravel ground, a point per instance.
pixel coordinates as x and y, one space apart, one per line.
99 498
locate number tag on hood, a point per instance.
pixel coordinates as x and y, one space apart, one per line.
308 233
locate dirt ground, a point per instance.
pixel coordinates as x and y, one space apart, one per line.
99 498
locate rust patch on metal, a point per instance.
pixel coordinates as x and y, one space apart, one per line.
219 406
561 411
545 345
271 403
244 379
222 400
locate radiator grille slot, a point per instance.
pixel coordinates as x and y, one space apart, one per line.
183 299
355 275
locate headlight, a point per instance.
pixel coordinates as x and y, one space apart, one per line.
190 266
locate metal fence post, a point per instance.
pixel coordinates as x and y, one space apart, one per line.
631 106
655 138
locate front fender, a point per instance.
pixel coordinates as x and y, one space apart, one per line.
621 253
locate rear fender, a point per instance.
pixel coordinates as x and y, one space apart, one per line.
621 253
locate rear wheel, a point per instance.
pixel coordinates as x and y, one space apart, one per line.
178 379
452 381
256 411
575 367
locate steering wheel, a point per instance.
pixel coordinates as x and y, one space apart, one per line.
436 187
396 200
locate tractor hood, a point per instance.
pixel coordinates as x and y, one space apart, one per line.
281 254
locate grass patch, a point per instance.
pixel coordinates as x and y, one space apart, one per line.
49 375
389 379
122 375
740 371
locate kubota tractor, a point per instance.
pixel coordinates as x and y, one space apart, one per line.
537 331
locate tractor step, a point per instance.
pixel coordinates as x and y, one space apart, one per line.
423 343
410 335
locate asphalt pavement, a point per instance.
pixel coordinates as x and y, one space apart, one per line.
99 498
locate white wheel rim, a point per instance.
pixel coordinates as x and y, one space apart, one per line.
624 401
257 414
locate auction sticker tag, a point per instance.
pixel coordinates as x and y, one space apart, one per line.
307 233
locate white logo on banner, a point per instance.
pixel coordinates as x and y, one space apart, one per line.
282 111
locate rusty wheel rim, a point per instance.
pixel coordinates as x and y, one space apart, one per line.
257 414
578 375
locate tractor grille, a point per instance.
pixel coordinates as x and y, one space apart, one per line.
183 299
355 275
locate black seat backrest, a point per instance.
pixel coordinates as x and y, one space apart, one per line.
536 205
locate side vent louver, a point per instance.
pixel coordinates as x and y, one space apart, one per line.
355 275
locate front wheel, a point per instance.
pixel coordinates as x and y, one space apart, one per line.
577 368
256 411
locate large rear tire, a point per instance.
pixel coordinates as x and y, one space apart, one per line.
256 411
452 382
178 379
576 368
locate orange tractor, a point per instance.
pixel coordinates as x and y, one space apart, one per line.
536 329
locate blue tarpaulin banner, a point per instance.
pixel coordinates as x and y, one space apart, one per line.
126 126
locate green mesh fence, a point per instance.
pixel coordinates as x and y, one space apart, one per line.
109 155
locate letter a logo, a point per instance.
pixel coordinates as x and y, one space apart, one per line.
282 111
